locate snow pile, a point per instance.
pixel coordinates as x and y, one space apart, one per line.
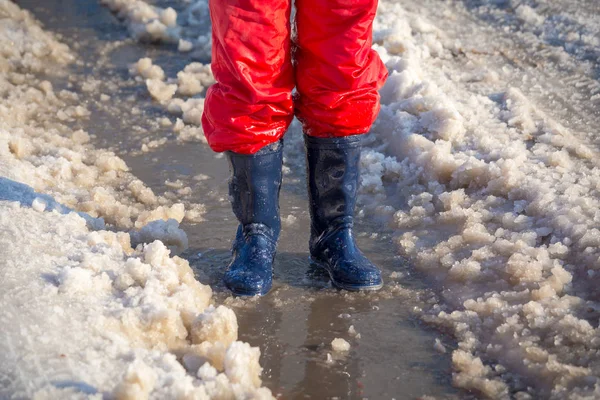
84 314
61 163
146 22
130 315
190 84
38 148
502 211
155 24
24 45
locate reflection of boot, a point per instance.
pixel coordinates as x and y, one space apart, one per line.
254 194
333 173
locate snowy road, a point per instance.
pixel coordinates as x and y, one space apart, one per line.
508 230
553 45
480 198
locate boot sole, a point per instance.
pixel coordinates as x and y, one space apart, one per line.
238 293
346 286
247 294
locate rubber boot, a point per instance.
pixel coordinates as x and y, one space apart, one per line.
333 174
254 193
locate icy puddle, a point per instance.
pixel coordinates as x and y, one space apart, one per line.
391 354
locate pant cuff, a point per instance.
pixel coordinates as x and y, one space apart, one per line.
268 149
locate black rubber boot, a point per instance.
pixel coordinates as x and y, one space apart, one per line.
333 173
254 193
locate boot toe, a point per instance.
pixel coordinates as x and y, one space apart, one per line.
354 276
247 283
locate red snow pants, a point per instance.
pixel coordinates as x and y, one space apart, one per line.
256 66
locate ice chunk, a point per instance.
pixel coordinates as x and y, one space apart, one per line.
38 204
439 346
146 69
138 382
184 46
168 232
160 91
194 78
340 345
215 325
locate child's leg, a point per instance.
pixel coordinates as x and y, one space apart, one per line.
337 72
337 77
250 106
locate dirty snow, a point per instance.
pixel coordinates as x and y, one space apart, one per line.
180 96
85 314
484 162
39 149
496 201
128 315
491 186
146 22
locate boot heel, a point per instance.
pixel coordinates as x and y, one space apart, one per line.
320 268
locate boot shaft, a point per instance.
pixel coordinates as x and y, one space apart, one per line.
254 188
333 177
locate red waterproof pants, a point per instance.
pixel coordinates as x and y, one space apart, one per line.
335 71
